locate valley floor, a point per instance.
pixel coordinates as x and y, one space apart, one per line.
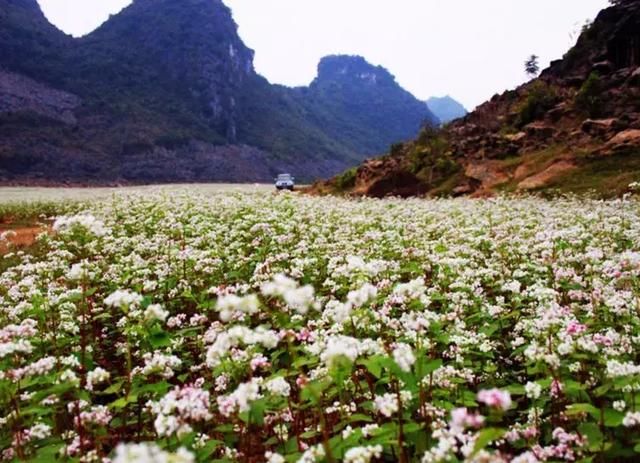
217 323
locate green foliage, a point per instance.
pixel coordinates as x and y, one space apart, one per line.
589 97
430 158
347 179
541 97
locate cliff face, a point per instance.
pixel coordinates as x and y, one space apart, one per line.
166 90
575 128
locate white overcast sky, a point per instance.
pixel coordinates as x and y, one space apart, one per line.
469 49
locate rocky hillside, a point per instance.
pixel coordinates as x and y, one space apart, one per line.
166 91
576 128
446 108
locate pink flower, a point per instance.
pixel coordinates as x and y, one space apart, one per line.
461 418
495 398
576 328
556 388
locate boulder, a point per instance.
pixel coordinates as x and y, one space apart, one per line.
603 67
556 113
488 173
539 130
543 178
622 143
515 137
600 127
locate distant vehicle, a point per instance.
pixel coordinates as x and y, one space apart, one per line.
285 182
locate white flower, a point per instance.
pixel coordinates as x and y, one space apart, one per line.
386 404
631 419
230 304
533 390
619 405
617 369
155 312
86 221
363 454
340 346
361 296
278 386
97 376
272 457
403 356
123 299
149 452
495 398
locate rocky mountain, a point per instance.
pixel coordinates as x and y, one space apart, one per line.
166 91
576 128
446 108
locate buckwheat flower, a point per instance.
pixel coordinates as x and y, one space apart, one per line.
461 419
526 457
363 454
616 369
278 286
21 346
369 429
340 346
272 457
386 404
155 312
631 419
533 390
346 432
361 296
278 386
123 299
403 356
158 363
86 221
179 408
240 399
312 454
230 304
619 405
495 398
300 299
79 272
148 452
97 376
512 287
556 388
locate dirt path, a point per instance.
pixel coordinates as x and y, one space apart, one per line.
18 237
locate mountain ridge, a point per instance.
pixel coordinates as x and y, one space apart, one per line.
574 129
164 79
446 108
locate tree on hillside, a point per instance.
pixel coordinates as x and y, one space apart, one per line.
531 66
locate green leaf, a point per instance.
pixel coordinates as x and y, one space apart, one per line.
577 409
593 434
426 366
486 437
612 418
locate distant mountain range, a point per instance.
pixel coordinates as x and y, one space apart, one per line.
446 108
166 91
574 129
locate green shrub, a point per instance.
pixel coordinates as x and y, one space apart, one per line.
589 97
541 98
347 179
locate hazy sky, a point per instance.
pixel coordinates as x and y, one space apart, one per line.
470 49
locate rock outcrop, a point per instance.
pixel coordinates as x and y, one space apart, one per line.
575 128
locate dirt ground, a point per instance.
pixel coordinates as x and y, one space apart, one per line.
20 237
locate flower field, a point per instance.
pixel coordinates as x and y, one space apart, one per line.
253 327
